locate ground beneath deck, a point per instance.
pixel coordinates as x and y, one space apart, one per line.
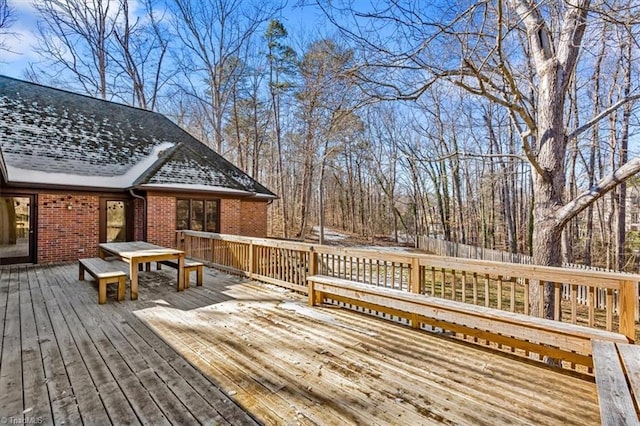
234 351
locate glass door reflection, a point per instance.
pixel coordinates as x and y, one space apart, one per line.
116 221
16 244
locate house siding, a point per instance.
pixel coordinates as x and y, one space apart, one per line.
68 227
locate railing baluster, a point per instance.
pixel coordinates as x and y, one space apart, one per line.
558 300
574 303
453 284
527 308
591 306
609 309
487 294
512 306
464 286
499 291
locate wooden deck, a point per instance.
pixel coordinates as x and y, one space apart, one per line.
238 352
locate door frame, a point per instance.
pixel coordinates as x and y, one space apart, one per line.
33 229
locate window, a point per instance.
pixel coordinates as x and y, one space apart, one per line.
198 215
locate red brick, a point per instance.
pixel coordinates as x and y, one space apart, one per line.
68 227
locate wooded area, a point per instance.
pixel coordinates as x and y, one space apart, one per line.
505 124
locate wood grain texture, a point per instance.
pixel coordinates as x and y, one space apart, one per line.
630 356
616 405
71 361
234 352
487 323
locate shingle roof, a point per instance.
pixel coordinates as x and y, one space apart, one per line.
54 137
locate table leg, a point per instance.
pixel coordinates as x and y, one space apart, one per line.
180 272
133 274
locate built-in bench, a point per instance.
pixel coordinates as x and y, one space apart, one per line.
189 266
105 273
617 370
550 338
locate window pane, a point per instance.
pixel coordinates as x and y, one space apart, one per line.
212 216
116 222
197 215
182 214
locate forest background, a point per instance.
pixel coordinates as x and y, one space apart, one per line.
386 120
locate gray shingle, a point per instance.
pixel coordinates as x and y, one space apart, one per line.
48 135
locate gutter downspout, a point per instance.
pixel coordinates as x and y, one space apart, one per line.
144 213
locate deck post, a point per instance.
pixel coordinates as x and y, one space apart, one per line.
628 306
312 268
415 275
415 287
251 267
213 250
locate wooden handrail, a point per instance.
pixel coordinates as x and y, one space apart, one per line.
604 295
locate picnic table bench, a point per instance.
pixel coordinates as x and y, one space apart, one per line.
105 273
617 370
554 339
189 266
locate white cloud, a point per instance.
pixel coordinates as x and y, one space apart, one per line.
22 40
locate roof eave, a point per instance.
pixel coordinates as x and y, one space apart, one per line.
57 186
212 190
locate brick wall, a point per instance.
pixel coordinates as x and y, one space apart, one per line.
67 234
254 218
161 220
230 216
68 227
138 219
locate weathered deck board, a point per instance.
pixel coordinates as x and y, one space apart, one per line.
153 371
185 357
63 404
36 395
11 360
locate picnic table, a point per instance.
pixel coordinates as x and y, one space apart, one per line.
137 253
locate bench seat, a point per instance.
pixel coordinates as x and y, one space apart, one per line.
617 370
546 337
105 273
189 266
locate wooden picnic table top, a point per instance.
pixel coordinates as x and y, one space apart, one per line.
137 248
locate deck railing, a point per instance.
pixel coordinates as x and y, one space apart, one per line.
493 284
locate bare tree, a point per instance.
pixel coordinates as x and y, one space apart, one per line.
140 51
7 19
281 60
216 36
73 35
323 97
475 46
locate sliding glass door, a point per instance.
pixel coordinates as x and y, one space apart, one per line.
16 229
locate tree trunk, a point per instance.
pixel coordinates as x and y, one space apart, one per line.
548 183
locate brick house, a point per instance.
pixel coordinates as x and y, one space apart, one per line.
76 171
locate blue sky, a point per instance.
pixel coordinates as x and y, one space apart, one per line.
12 63
297 19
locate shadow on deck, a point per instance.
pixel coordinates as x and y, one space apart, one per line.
233 352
